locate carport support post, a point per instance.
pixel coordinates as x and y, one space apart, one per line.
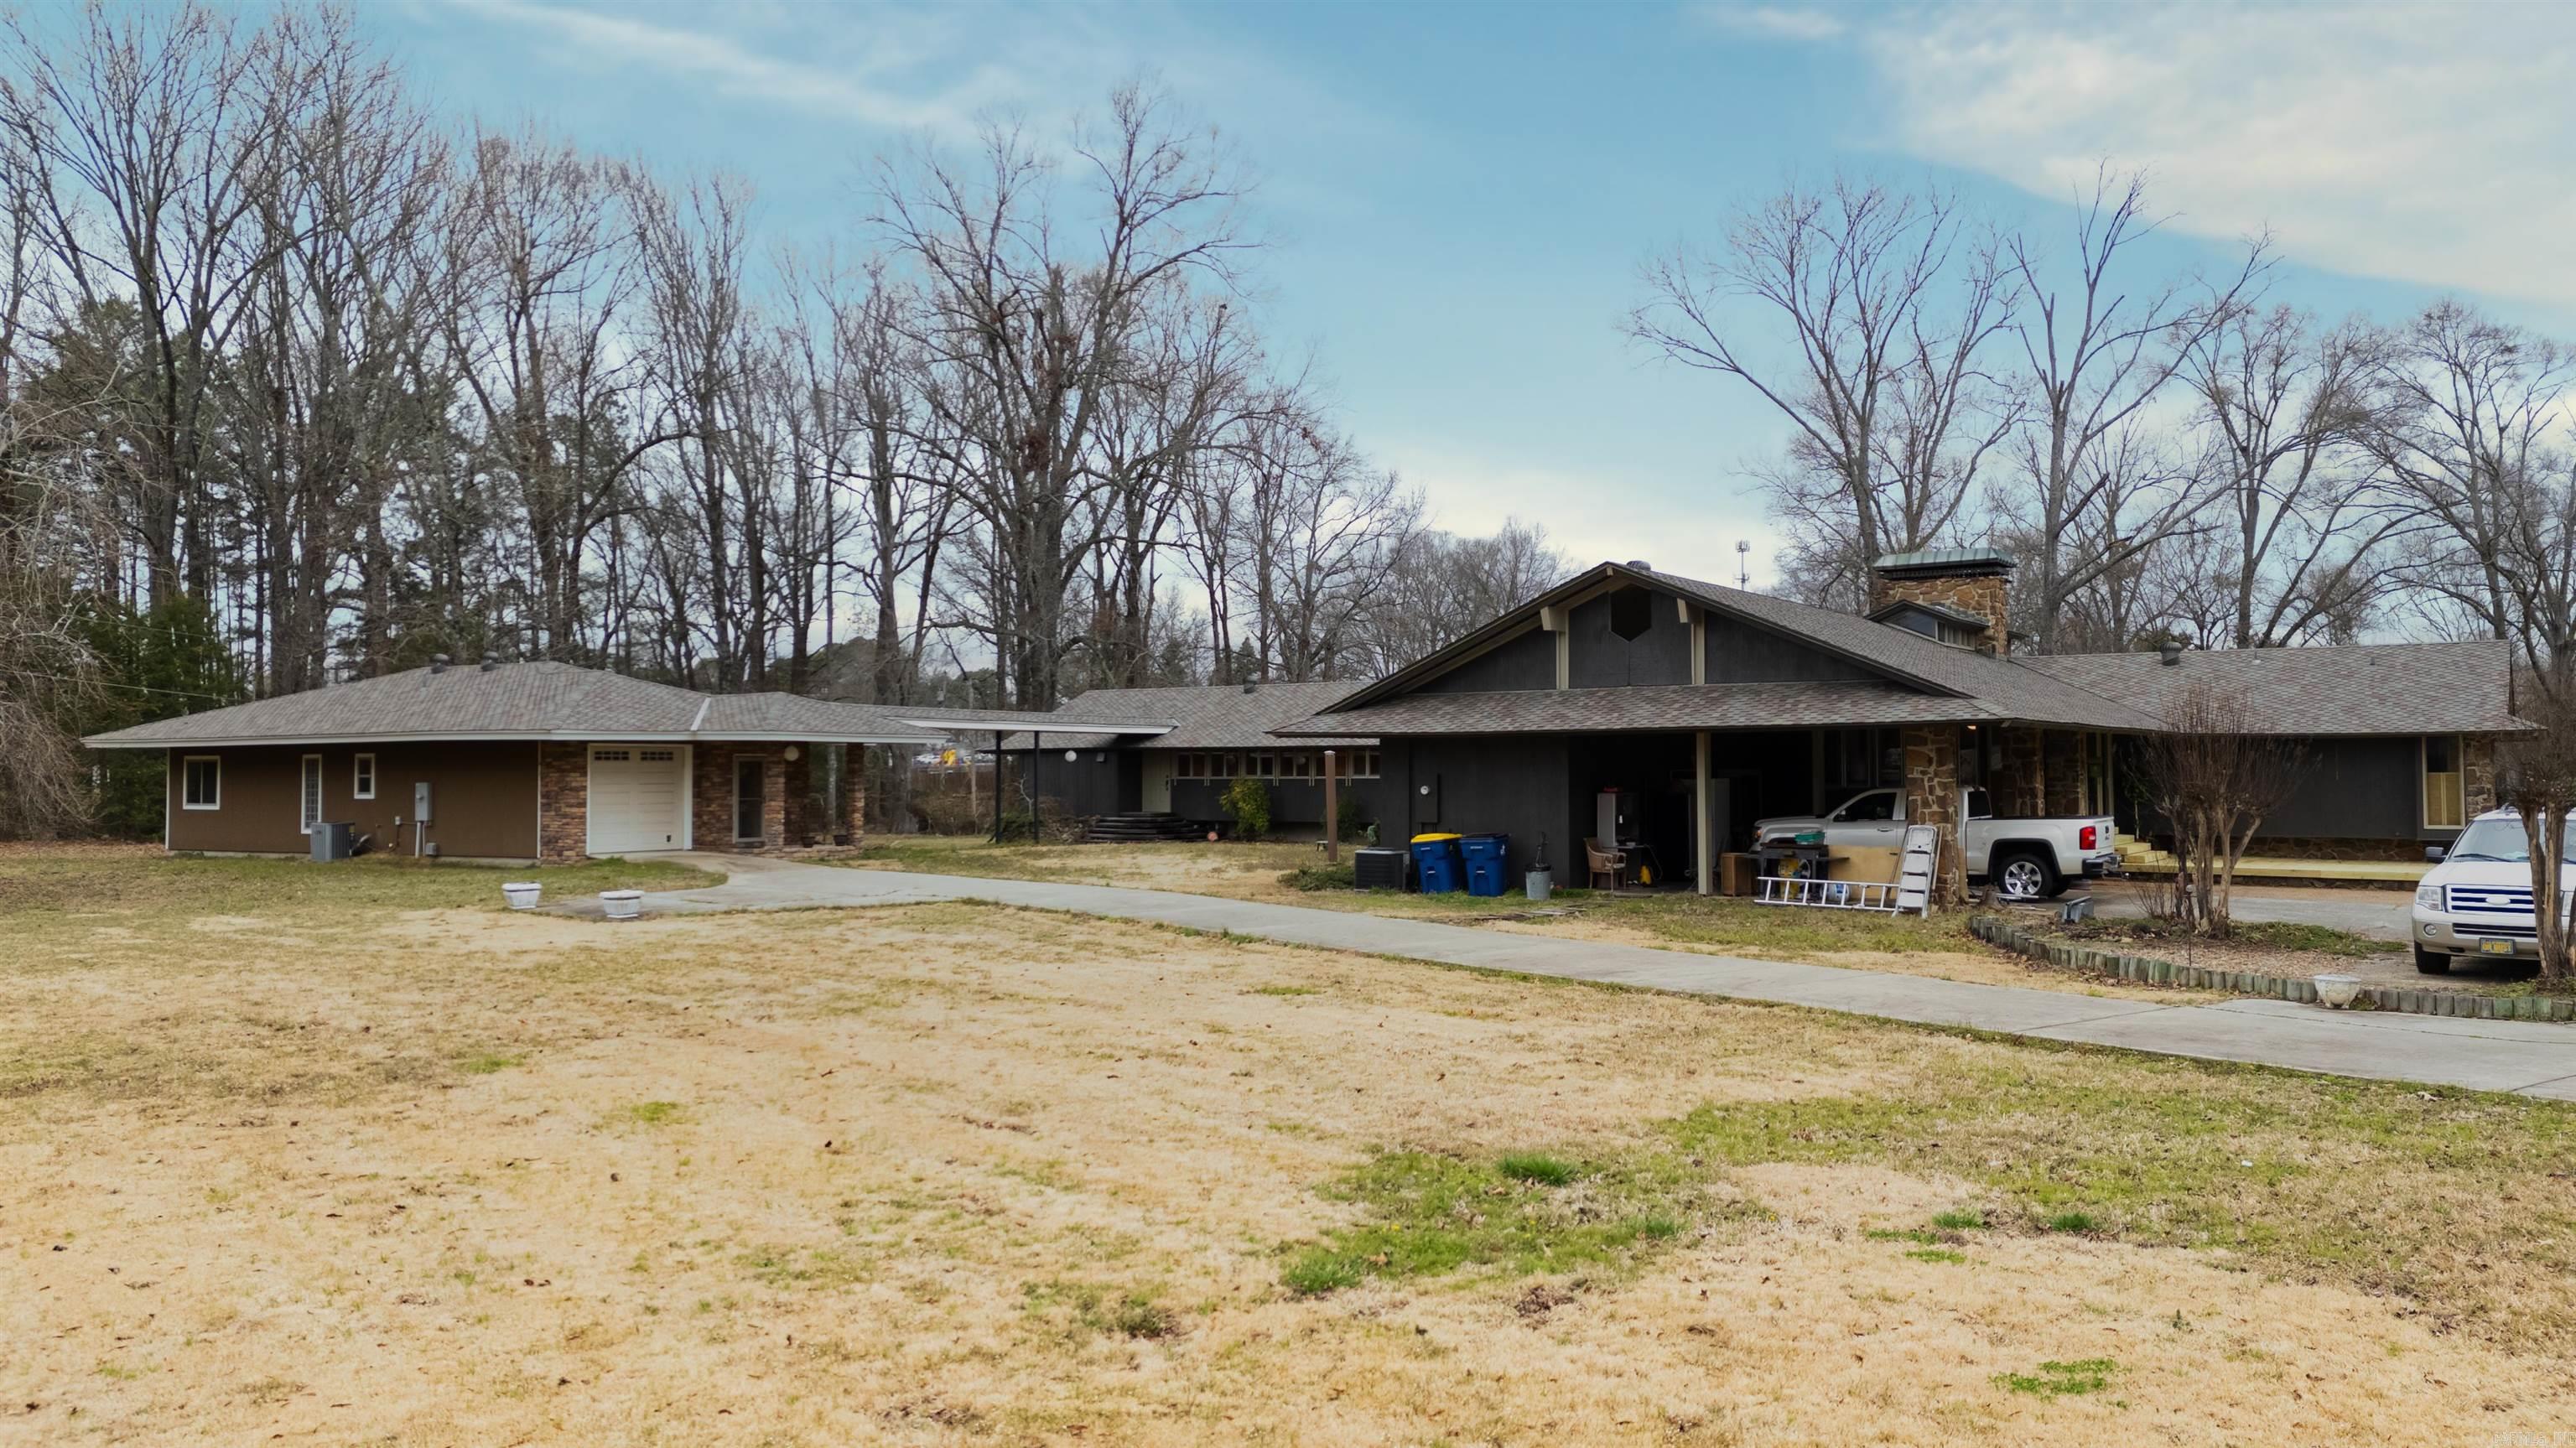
997 784
1332 815
1701 833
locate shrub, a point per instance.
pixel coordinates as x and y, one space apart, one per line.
1323 877
1346 817
1247 803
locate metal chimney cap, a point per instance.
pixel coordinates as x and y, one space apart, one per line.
491 661
438 663
2172 652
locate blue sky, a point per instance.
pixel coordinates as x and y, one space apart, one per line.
1461 197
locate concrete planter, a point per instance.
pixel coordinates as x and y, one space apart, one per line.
622 904
2337 991
521 894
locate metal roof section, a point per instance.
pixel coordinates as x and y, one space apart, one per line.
1936 561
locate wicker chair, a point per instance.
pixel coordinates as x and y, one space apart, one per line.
1600 860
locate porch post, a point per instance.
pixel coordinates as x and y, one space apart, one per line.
1332 815
1701 832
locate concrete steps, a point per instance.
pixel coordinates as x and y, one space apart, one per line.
1137 828
2139 857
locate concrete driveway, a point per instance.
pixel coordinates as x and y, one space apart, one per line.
2370 914
2529 1057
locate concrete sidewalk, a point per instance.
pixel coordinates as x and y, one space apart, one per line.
2528 1057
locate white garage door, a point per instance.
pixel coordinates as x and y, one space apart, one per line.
639 799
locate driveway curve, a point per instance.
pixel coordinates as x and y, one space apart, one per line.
2530 1058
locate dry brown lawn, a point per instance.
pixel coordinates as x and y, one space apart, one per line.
282 1160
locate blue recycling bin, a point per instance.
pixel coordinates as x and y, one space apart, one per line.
1437 868
1488 860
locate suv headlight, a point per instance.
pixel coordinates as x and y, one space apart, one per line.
2428 897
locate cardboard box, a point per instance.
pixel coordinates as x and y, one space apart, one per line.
1877 864
1736 873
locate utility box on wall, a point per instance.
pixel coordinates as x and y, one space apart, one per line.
420 802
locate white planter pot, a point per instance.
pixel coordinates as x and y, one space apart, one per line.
622 904
2338 991
522 895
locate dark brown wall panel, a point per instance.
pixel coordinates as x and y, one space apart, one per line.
483 798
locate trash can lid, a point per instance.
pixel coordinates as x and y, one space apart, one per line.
1420 839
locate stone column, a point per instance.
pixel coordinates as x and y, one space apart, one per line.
1932 798
563 803
2477 774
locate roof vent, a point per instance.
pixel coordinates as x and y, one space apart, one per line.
1641 565
491 662
1249 685
438 663
2172 652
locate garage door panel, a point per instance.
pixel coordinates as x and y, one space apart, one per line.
638 799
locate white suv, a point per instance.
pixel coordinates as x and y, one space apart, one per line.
2476 901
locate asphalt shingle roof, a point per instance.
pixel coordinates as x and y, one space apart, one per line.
1207 716
534 700
2365 689
2463 688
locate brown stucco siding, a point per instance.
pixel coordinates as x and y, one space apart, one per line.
483 798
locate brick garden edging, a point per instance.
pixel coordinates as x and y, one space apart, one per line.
2145 970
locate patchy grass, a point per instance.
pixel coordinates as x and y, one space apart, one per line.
651 1113
485 1063
239 1173
1531 1166
1425 1214
1284 991
2061 1379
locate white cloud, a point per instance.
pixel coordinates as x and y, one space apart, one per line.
2425 144
734 69
1774 22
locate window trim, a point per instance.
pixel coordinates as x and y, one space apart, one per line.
362 776
217 761
310 768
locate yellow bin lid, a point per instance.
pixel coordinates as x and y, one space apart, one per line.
1418 839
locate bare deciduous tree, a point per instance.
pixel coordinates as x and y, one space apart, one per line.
2214 781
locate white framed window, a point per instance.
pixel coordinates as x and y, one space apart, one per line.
2445 807
362 777
311 793
657 756
201 781
1357 763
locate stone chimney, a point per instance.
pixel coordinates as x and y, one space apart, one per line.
1976 582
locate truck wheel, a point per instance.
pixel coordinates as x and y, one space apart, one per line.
2432 962
2027 876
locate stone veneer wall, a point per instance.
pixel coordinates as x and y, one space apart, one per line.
1987 595
563 802
854 793
2478 773
2061 773
2022 788
1932 798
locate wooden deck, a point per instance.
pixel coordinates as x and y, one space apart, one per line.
2140 858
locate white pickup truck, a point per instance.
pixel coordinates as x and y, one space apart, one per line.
2021 857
